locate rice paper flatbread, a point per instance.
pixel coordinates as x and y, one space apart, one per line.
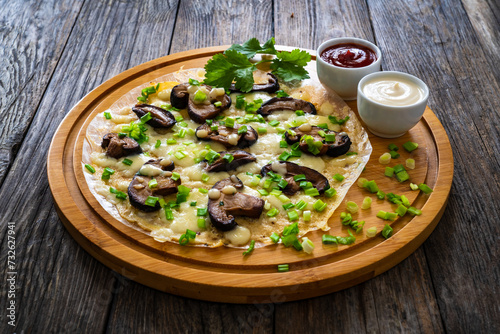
266 150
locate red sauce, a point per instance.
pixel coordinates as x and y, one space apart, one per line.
349 55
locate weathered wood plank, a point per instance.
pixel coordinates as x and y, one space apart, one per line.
445 52
60 287
32 37
307 24
199 24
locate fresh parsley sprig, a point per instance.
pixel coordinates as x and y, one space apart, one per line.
234 65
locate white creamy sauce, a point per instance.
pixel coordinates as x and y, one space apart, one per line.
393 91
150 170
102 160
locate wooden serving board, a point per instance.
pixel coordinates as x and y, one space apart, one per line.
223 274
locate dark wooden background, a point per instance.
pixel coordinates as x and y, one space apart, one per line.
53 52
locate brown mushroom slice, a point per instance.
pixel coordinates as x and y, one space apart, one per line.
240 158
340 146
223 208
179 96
228 137
160 118
201 112
139 190
289 169
285 103
117 147
270 87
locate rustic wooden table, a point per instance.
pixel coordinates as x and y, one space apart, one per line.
55 52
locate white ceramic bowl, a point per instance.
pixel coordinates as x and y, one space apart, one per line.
344 81
390 121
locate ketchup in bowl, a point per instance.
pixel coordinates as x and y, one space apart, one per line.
349 55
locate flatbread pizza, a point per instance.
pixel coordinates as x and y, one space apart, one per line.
198 165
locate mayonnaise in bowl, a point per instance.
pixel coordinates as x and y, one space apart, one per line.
391 103
393 91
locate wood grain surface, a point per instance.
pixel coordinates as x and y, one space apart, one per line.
53 53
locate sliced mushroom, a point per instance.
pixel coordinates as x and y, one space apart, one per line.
117 147
139 190
179 96
160 118
223 209
270 87
198 112
317 179
240 158
229 137
340 146
285 103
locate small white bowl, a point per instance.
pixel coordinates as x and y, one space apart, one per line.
344 81
389 121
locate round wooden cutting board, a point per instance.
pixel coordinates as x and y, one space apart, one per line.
224 274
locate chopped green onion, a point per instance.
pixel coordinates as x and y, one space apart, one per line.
169 214
211 156
387 231
425 188
230 122
371 186
352 207
228 157
184 239
193 82
329 239
293 215
351 153
282 184
283 268
203 190
280 130
319 205
394 154
361 182
199 97
405 200
205 177
312 192
201 222
250 248
291 229
367 203
276 192
193 203
218 104
307 245
389 172
339 177
401 210
151 201
146 118
274 123
255 180
273 212
275 237
284 156
402 176
288 206
152 183
106 174
393 147
179 155
107 115
414 211
201 212
330 192
306 215
283 144
299 112
283 198
179 118
175 176
380 194
385 158
127 162
261 131
240 102
410 146
299 177
242 130
371 232
281 93
301 205
263 192
340 121
171 141
90 168
118 194
398 168
414 186
214 127
330 137
381 214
